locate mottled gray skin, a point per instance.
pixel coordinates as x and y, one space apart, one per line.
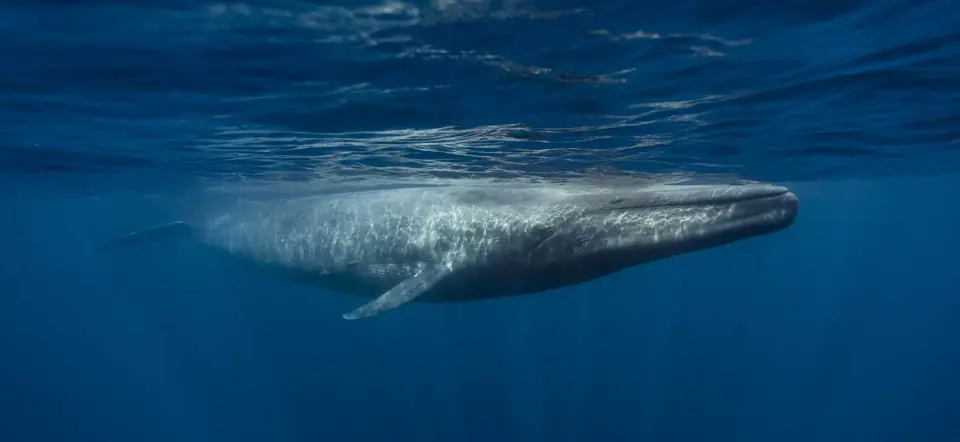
494 241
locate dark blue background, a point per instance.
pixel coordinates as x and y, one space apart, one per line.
843 327
840 328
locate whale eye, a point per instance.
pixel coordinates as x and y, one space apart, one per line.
617 201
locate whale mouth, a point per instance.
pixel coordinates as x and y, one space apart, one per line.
701 211
766 213
757 208
705 195
702 195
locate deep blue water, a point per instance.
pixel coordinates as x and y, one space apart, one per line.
116 115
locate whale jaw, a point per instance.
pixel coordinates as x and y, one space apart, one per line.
695 220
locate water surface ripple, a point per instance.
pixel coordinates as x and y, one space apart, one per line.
266 90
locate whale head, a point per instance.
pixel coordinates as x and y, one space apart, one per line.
626 228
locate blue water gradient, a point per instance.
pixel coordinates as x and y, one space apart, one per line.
116 115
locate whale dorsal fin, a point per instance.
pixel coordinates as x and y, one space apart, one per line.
402 293
160 232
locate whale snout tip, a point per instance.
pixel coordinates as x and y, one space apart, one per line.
789 205
791 197
772 190
781 198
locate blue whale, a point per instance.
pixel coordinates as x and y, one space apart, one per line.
461 243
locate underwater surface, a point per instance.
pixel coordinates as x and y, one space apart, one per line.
116 116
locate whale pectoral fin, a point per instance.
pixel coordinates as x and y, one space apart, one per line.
401 294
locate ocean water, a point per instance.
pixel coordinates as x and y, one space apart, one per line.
119 115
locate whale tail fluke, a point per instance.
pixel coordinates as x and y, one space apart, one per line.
176 229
